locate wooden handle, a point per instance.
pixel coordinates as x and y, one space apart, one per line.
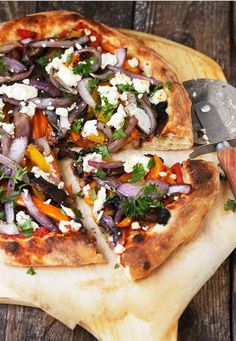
227 158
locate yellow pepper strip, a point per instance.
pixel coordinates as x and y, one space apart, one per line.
126 222
100 138
37 158
38 194
155 170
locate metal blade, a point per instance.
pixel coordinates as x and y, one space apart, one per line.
209 148
213 109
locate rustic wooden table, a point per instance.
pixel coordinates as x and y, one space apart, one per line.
209 27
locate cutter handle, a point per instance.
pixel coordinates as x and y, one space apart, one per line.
227 158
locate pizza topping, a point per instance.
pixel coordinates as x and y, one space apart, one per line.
133 62
8 228
83 89
94 157
99 202
108 59
141 85
19 92
158 96
118 118
90 128
184 188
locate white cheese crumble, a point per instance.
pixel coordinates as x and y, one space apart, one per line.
158 96
133 160
118 118
49 158
47 202
93 39
141 85
173 176
133 110
86 190
63 114
108 59
61 185
1 104
91 156
38 172
90 128
124 96
162 174
110 92
119 249
67 75
64 226
21 92
22 217
87 31
133 62
68 211
99 202
8 127
26 81
120 78
135 225
29 109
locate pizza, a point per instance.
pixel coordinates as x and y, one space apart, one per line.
69 83
145 208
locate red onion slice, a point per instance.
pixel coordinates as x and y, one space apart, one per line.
14 65
36 214
184 189
9 206
17 77
118 214
84 92
64 44
17 149
22 124
105 165
129 190
120 55
151 121
102 76
162 186
116 69
75 113
60 84
7 48
118 144
5 141
10 100
43 103
9 163
9 229
96 53
106 130
42 143
109 183
46 86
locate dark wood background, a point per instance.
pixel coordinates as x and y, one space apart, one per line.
209 27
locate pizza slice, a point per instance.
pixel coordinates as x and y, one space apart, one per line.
95 85
145 209
39 225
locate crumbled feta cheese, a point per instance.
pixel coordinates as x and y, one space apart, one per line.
141 85
22 217
133 160
133 62
39 173
47 202
21 92
50 107
99 202
78 46
176 197
144 228
75 226
90 128
120 78
10 112
68 211
61 185
140 96
29 109
49 158
93 39
44 45
8 127
38 101
67 53
135 225
110 92
119 249
108 59
173 176
64 226
91 156
86 190
26 81
162 174
55 64
158 96
1 104
133 110
118 118
123 96
87 31
63 113
194 94
67 75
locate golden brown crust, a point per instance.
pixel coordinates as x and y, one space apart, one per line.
54 249
177 133
148 251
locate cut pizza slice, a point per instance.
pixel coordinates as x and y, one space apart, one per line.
145 209
96 85
39 225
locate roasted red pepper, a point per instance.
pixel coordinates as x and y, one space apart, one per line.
176 169
26 33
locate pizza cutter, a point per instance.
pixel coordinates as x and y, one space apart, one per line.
214 122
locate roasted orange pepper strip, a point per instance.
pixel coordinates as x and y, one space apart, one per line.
37 158
125 177
39 125
155 170
135 134
106 46
126 222
131 69
47 209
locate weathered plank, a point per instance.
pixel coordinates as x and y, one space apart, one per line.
113 13
15 9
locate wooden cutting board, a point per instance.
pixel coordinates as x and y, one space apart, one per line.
188 64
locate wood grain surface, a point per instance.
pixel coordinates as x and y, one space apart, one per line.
209 27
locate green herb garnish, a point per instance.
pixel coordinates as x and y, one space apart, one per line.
116 266
168 84
69 58
84 68
125 87
138 173
7 197
1 215
119 134
103 150
230 205
92 83
137 206
80 194
77 125
77 213
151 162
26 228
30 271
19 175
94 195
107 108
43 61
100 173
2 65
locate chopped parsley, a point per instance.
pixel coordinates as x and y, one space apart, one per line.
230 205
125 87
92 83
137 206
31 271
151 189
119 134
19 175
78 213
160 85
2 65
151 162
43 61
138 173
80 194
84 68
116 266
1 215
69 58
26 228
168 84
100 173
103 150
94 194
7 197
107 108
77 125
